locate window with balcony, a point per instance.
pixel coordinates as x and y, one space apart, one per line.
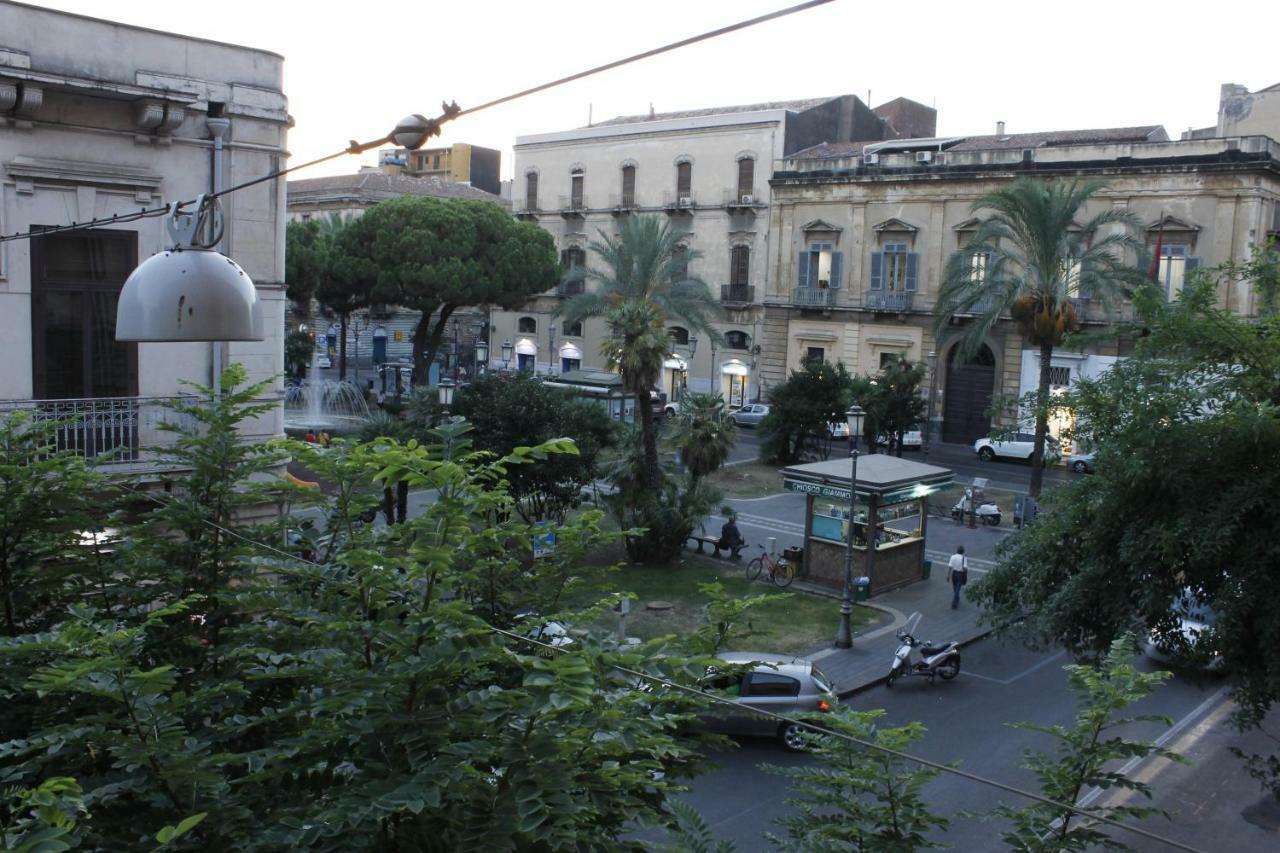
746 179
527 326
1175 263
531 191
819 266
628 186
895 269
739 266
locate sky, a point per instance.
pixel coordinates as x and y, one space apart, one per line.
353 70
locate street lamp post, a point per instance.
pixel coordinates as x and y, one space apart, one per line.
445 392
551 356
844 635
933 392
356 328
693 351
506 354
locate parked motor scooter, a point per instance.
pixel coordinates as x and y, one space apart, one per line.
988 512
942 659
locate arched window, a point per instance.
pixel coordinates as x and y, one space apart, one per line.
527 326
746 179
679 335
573 330
628 186
740 265
684 179
576 181
736 340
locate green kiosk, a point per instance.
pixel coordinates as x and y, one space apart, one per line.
892 504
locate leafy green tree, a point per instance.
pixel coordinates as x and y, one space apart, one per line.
898 386
48 495
802 410
298 347
1087 752
1183 502
642 282
358 701
1037 260
435 256
515 410
319 264
856 798
704 434
41 819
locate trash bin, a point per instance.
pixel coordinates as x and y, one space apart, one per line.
928 569
862 588
793 555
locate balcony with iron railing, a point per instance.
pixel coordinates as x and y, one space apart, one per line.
573 205
737 294
622 203
107 430
813 297
888 300
679 202
740 201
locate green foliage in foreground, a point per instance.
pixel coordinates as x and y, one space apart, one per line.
238 698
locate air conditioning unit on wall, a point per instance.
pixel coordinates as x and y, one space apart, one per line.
870 159
924 156
747 198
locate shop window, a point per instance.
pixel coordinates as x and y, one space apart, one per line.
567 364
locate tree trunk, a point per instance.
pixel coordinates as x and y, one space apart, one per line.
1042 420
648 438
342 347
402 501
426 340
388 506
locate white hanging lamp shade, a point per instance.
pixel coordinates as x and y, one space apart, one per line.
190 292
189 295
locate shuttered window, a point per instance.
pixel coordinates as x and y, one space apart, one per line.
531 191
684 179
746 177
628 186
894 269
575 192
679 264
819 266
739 265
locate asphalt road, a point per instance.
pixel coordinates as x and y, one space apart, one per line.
967 722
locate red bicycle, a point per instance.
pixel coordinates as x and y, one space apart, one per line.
781 572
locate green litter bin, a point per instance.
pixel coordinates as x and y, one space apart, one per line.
862 588
928 568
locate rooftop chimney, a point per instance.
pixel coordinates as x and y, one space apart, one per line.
999 128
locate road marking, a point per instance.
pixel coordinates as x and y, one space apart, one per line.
1021 675
1174 731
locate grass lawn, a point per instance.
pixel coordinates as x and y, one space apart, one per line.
748 480
796 624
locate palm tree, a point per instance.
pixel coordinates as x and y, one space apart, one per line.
641 284
704 434
1031 259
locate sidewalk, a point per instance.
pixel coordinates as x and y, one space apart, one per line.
867 663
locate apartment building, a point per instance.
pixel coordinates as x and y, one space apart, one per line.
98 119
863 232
461 163
707 172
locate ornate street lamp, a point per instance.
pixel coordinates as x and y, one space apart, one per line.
844 636
445 390
506 353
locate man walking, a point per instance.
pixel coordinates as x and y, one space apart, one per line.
957 574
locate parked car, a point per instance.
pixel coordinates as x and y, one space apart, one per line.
1017 446
670 410
783 685
838 429
912 439
1183 645
750 415
1081 463
323 361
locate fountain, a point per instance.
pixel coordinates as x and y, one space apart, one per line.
323 405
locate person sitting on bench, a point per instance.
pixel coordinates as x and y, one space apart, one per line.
730 537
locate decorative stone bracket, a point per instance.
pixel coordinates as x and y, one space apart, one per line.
159 119
19 102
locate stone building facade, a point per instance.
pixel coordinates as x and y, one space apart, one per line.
863 232
97 119
706 172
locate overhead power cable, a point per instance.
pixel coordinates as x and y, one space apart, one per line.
449 113
721 700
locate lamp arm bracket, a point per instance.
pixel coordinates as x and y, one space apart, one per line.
184 226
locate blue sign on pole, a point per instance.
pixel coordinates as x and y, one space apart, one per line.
544 540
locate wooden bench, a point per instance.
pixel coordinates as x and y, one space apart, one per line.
714 542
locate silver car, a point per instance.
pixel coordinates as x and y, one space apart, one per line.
780 684
750 415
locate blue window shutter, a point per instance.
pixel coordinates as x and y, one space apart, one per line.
837 261
802 266
913 271
877 271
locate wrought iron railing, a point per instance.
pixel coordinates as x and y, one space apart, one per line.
889 300
742 294
572 287
813 297
107 429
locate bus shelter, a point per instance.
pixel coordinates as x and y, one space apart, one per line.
889 517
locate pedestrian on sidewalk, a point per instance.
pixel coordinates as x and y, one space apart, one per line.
957 574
